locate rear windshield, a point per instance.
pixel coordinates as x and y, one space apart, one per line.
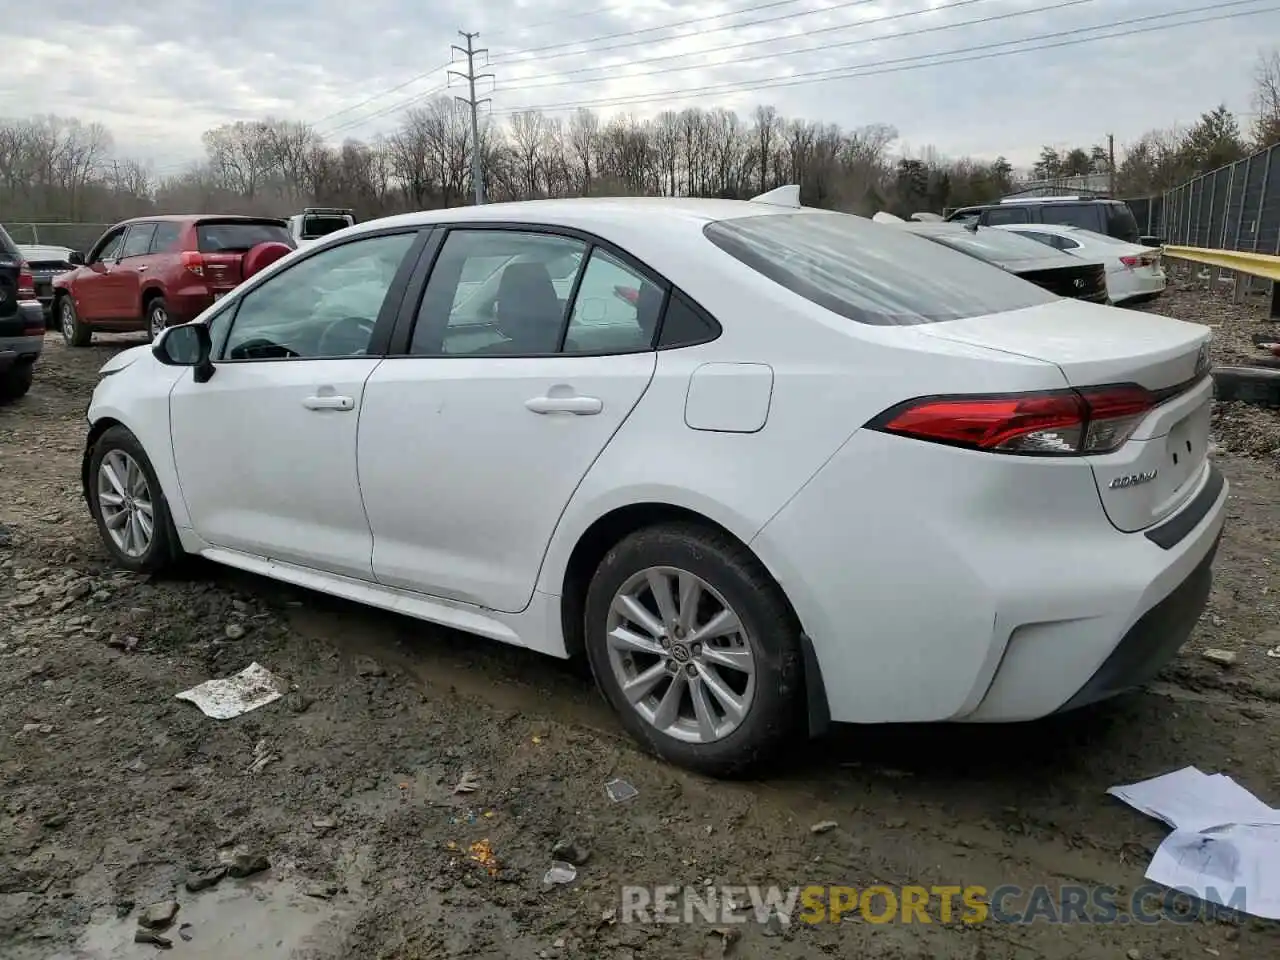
988 243
869 272
239 235
319 226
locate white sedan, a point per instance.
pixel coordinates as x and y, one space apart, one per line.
1134 272
818 469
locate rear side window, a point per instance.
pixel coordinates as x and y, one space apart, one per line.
316 226
868 272
684 325
7 246
166 238
237 236
138 240
1121 223
1086 215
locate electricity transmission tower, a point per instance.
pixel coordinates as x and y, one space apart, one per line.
471 52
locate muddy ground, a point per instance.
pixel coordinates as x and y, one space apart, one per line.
113 794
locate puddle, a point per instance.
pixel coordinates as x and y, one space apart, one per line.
247 921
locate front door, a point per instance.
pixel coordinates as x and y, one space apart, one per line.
93 288
266 448
471 447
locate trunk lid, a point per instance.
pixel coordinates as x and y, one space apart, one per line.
223 242
1079 281
1165 462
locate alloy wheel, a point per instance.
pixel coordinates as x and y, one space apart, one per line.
680 655
124 498
67 315
159 320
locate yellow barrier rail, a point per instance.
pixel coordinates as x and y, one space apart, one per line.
1259 264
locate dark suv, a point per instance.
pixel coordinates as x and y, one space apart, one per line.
21 321
1110 217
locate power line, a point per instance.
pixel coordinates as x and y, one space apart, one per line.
860 41
409 101
512 57
379 95
561 18
386 111
892 66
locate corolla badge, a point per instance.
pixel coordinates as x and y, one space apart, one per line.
1132 480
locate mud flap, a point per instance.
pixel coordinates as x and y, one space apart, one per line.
818 708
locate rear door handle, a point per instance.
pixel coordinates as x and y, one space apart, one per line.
329 403
141 268
579 406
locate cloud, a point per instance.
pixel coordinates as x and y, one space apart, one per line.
158 75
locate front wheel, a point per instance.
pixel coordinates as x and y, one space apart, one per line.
74 332
157 317
129 506
694 645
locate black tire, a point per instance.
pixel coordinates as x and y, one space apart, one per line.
75 333
1256 385
156 316
165 551
775 718
16 381
1266 339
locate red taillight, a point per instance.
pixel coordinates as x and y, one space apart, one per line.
1142 260
194 262
1054 423
629 294
26 282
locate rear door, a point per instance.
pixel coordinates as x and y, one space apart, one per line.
470 445
9 269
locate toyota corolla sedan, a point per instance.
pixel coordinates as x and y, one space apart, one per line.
765 466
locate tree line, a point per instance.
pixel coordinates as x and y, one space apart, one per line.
61 169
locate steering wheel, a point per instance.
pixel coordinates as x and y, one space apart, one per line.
357 332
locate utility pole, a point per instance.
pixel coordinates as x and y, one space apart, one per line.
1111 163
470 52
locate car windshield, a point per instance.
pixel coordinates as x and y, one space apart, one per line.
237 236
988 243
869 272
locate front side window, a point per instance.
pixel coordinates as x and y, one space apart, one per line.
1084 215
138 240
325 306
108 247
497 292
998 216
871 273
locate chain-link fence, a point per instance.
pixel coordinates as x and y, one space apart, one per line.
77 236
1236 207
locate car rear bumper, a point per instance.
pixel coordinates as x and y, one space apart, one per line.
1132 285
19 350
940 584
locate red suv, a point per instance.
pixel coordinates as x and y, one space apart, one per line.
148 273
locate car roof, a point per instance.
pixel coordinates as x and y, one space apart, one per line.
192 217
599 212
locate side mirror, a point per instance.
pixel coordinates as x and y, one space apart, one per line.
188 345
76 258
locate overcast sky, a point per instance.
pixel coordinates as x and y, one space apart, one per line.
159 73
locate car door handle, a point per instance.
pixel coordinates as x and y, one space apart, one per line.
141 268
329 403
580 406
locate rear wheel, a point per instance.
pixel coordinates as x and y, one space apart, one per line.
694 645
74 332
16 381
129 506
157 316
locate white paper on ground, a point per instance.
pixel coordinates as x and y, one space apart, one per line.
1224 841
254 686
